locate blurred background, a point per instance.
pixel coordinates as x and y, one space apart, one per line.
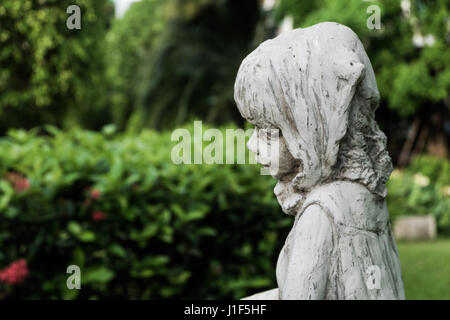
86 118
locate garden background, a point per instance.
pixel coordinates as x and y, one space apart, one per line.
86 118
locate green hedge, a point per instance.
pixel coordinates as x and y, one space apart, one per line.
187 231
141 227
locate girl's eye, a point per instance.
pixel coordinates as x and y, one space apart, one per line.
273 134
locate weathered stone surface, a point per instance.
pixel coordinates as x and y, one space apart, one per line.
272 294
316 85
415 228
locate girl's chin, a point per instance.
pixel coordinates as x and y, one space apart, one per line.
289 200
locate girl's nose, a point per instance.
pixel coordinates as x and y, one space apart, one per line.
252 144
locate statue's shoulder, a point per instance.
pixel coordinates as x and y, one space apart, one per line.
349 203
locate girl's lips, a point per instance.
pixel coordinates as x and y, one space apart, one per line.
287 177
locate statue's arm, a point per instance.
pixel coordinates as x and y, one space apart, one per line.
307 271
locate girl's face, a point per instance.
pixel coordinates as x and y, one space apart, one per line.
271 151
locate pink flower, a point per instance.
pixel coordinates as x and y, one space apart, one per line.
99 216
15 273
22 184
19 182
95 194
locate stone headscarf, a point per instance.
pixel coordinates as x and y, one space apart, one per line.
319 89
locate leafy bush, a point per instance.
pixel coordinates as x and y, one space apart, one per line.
137 225
423 188
49 74
129 40
437 169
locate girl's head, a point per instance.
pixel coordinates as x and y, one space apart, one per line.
316 85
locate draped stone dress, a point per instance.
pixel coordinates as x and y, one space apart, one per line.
340 247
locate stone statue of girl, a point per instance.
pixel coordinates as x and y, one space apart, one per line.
316 86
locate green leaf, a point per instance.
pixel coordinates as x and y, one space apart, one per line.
87 236
149 231
195 214
74 228
155 261
68 294
109 129
179 212
207 232
144 273
78 257
181 278
8 192
70 178
117 250
98 274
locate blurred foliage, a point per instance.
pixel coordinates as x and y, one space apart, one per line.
166 62
129 40
409 77
192 70
49 74
423 188
187 231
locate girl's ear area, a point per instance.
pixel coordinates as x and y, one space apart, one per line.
340 82
348 66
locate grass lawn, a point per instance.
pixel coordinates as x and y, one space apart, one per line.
426 269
